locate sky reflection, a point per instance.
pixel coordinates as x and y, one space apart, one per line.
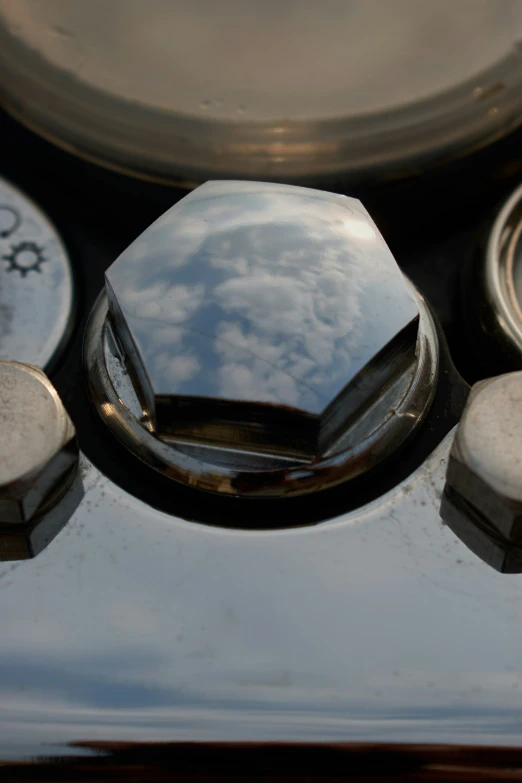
261 293
378 626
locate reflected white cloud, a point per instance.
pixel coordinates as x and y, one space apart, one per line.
359 229
169 304
177 370
189 238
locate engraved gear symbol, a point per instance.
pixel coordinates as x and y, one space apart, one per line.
24 258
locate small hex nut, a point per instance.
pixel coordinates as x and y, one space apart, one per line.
485 467
38 446
493 549
23 541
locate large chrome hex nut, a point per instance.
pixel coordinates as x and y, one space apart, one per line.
484 476
262 316
260 340
38 447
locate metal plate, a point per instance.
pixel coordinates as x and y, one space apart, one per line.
292 91
378 625
36 283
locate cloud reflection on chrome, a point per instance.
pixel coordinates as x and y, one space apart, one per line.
257 292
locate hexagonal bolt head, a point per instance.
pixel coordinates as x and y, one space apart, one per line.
484 478
261 317
38 446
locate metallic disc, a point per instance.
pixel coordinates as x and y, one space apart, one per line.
36 283
38 444
290 91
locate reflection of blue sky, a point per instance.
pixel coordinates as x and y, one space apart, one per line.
135 625
261 293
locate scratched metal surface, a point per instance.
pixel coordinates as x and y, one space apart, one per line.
379 625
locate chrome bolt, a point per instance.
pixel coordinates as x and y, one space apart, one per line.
38 447
484 478
262 315
261 327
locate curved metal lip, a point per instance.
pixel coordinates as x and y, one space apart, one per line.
186 150
499 281
351 456
63 326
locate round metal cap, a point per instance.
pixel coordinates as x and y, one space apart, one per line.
37 441
260 339
482 500
36 283
489 437
287 91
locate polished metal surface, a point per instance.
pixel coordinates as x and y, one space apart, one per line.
484 481
267 295
36 283
261 339
38 446
379 625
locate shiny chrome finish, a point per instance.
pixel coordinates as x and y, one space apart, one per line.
261 317
36 283
137 626
260 339
38 447
484 481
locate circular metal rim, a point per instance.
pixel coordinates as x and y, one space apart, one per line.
281 482
499 283
409 138
64 327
